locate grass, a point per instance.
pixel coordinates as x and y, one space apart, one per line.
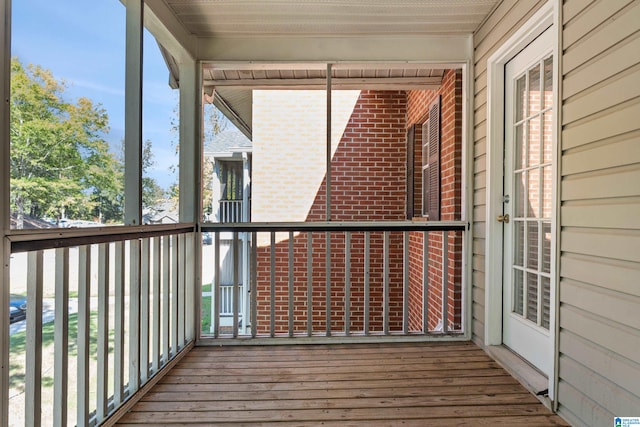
17 366
206 310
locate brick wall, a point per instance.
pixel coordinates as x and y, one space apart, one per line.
368 184
450 205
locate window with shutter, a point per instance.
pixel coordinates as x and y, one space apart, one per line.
431 163
411 140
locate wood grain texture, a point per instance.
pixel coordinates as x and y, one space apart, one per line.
357 384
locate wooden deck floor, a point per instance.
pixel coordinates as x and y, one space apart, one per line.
426 384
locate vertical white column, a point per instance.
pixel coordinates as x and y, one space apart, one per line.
5 249
33 363
133 114
61 340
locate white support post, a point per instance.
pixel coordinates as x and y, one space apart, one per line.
33 363
134 316
405 283
5 248
190 183
328 150
347 283
445 282
215 287
272 286
133 114
290 284
182 272
190 144
156 268
367 280
309 284
425 282
328 282
118 341
166 297
102 395
254 284
145 265
385 284
84 335
235 250
61 339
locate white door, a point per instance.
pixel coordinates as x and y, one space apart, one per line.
528 201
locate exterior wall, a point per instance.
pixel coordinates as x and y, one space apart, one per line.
599 266
600 212
451 196
369 184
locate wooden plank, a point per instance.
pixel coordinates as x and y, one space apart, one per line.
372 384
313 415
170 393
383 388
537 420
299 402
374 369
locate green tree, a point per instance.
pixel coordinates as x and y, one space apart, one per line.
60 163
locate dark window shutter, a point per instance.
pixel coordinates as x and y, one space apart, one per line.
433 171
411 138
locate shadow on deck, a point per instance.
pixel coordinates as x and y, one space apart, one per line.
411 384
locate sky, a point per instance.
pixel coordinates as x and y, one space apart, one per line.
83 42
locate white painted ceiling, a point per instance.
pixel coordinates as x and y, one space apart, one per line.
317 18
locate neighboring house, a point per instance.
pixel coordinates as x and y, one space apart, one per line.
164 212
229 156
378 142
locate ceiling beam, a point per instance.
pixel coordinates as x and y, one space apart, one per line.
433 50
380 83
169 32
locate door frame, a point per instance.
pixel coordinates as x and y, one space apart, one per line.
547 16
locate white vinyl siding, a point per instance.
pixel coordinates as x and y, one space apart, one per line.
600 212
508 17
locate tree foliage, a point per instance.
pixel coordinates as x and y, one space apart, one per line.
61 165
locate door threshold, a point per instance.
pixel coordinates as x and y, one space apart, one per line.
526 374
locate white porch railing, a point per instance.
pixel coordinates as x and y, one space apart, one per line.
123 309
319 280
230 211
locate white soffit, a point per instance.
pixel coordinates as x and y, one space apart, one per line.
329 18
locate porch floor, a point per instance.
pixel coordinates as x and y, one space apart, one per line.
412 384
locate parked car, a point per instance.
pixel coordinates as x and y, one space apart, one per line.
17 308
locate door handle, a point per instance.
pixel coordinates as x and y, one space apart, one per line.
503 218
